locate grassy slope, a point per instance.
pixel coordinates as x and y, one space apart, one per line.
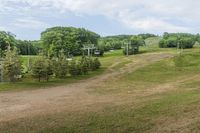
174 109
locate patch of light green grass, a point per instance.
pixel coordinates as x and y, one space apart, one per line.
168 70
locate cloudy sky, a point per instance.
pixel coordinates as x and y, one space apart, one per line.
28 18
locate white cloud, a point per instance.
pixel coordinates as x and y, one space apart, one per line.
154 25
2 28
143 15
29 23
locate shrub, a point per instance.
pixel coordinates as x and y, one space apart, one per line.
181 40
97 63
42 68
60 67
73 68
84 65
12 66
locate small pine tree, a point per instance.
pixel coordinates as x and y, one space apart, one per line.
48 68
79 68
92 65
73 68
84 65
61 68
12 66
42 68
97 63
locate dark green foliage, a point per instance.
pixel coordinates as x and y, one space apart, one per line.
6 39
84 65
12 66
97 63
79 68
118 41
69 39
179 40
48 69
42 69
91 64
147 35
106 44
186 42
28 47
24 47
73 70
60 66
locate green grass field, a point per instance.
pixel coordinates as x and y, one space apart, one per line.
159 97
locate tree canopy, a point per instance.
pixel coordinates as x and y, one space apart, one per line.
6 39
181 40
69 39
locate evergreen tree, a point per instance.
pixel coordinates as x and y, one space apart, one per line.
12 66
84 65
91 64
49 68
42 68
97 63
61 67
73 68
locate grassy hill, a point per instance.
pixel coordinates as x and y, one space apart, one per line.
155 91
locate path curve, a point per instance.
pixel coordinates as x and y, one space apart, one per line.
15 105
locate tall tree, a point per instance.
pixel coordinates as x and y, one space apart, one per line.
69 39
42 69
7 39
12 66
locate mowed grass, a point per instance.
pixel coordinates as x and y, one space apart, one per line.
138 107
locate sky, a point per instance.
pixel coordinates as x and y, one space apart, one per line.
28 18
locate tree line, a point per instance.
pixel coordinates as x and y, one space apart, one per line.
43 68
24 47
68 39
179 40
119 41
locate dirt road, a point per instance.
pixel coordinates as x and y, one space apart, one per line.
72 97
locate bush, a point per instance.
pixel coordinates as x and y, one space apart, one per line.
73 68
42 68
97 63
12 66
60 67
84 65
181 40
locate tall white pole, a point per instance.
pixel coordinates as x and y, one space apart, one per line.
88 51
127 49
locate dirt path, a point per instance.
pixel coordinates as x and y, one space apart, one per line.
14 105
